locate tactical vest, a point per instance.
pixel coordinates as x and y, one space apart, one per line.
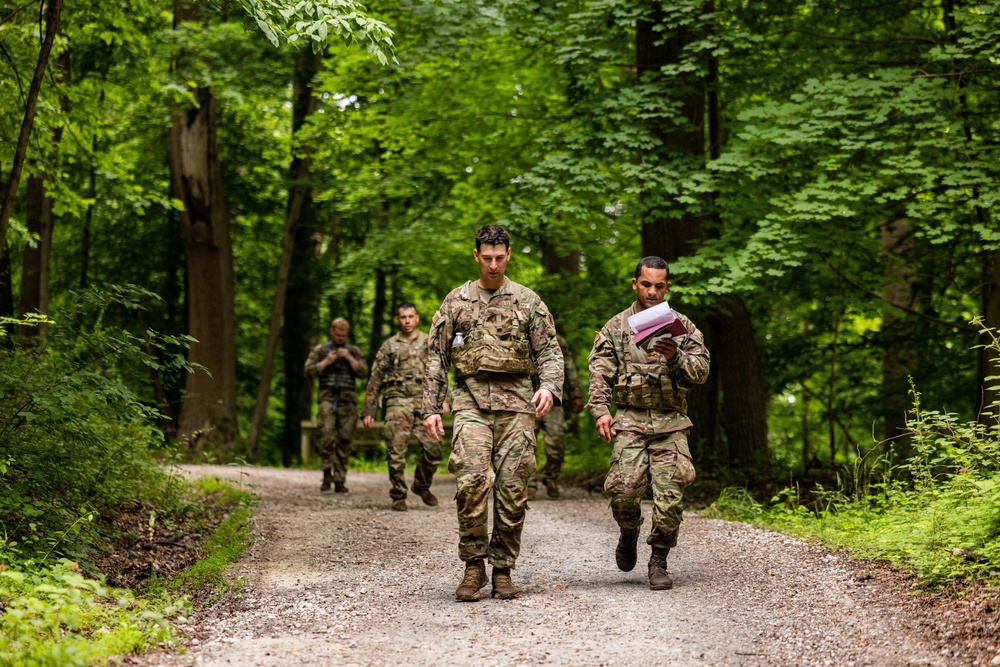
649 386
338 376
494 339
406 375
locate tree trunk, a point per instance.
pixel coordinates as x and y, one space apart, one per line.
741 377
989 359
300 172
53 11
897 357
303 289
208 412
379 308
6 287
672 237
556 264
34 293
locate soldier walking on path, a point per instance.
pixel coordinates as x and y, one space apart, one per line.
398 376
651 424
336 363
491 328
553 425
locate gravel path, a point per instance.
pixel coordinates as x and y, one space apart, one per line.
337 579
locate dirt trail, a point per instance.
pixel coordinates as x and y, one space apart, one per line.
337 579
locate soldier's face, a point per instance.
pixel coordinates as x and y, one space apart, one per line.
492 260
338 336
650 287
407 318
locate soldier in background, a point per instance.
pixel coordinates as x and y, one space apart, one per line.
651 424
337 364
490 329
398 376
553 425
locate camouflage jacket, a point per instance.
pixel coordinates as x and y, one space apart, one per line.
312 370
651 392
513 312
398 371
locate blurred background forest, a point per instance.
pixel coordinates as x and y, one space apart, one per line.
821 176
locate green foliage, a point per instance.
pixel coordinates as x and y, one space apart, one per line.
227 543
75 440
937 512
57 616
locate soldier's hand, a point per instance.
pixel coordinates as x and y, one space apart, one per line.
543 402
577 405
368 420
434 427
666 346
342 353
604 428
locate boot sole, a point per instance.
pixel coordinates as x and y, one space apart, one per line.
660 587
506 596
469 598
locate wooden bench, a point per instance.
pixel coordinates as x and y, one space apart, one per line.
365 439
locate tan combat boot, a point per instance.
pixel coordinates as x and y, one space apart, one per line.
552 488
625 555
327 480
474 579
503 587
399 505
659 579
339 487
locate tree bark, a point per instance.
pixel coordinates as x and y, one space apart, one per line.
208 413
300 172
53 12
379 308
6 287
989 358
303 292
35 256
897 359
737 368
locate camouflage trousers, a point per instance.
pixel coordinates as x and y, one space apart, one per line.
553 428
337 421
638 461
493 453
400 423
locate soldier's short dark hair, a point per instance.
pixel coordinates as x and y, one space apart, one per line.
406 305
492 235
652 262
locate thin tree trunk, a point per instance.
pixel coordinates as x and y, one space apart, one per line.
6 287
301 190
303 291
989 359
379 308
831 415
897 359
208 412
34 258
53 12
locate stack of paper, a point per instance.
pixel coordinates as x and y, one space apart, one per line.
660 320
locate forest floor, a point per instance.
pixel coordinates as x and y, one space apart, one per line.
339 579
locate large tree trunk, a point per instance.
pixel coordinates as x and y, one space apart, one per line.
34 293
53 12
300 192
737 369
209 408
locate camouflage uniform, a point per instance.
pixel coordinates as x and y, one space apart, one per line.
553 425
398 373
651 423
338 408
493 448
